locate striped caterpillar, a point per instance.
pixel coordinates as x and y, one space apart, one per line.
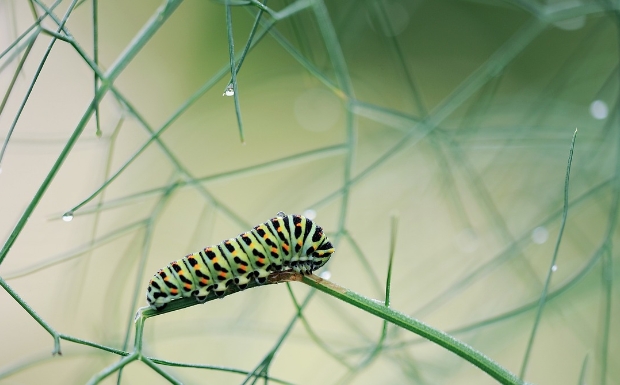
286 242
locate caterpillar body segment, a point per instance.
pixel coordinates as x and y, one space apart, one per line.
286 242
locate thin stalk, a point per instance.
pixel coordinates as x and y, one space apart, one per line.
146 244
18 70
97 378
159 370
582 373
248 45
374 353
320 343
96 60
264 364
233 72
214 367
388 286
343 78
34 315
138 285
291 9
92 344
550 270
607 280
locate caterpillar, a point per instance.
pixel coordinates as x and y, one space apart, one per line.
286 242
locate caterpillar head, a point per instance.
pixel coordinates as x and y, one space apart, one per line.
321 249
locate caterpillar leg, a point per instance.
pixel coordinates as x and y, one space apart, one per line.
143 308
139 312
260 276
201 298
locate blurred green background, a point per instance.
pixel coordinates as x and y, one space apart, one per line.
455 116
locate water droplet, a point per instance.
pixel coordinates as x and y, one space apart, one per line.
68 216
377 301
229 91
540 235
554 267
599 109
281 214
310 214
325 274
98 133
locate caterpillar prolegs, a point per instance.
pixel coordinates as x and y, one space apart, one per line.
286 242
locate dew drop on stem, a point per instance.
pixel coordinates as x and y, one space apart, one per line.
229 91
68 216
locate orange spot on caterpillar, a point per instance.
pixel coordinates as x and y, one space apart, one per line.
222 274
243 268
204 281
174 291
214 260
188 286
285 246
274 250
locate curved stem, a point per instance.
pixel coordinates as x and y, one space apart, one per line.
379 309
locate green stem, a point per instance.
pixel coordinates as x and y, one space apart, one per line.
18 70
233 72
93 345
34 315
159 370
379 309
543 295
97 378
214 367
96 60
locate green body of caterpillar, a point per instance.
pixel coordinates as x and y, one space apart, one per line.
290 242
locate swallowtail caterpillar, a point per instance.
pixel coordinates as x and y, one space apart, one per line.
286 242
